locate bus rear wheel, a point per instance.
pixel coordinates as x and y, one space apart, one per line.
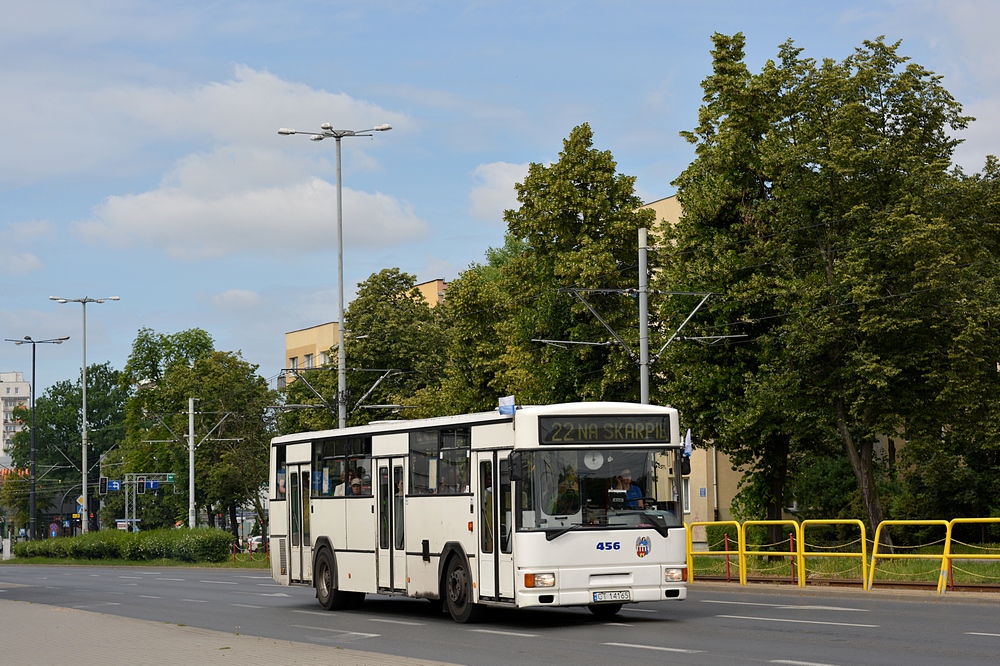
605 610
458 592
330 598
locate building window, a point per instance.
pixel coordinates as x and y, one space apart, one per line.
307 361
293 363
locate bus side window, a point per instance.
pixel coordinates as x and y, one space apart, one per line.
486 511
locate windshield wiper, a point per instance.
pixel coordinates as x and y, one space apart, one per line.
555 534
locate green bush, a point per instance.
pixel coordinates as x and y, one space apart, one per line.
199 545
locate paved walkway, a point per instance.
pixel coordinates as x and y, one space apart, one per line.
40 634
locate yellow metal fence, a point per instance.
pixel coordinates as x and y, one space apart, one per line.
800 548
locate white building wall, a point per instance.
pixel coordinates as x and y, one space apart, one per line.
14 392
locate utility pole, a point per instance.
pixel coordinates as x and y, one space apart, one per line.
191 512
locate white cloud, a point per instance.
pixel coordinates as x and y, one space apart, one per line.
123 129
494 192
16 264
291 219
237 299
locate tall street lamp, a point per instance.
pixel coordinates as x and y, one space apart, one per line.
31 469
329 133
85 516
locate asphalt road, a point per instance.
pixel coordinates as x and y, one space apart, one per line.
716 625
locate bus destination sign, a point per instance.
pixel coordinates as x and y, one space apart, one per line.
612 429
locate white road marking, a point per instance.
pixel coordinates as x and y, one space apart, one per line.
132 577
219 582
148 596
174 579
323 613
247 606
337 631
415 624
979 633
779 619
196 601
504 633
799 663
638 610
752 603
653 647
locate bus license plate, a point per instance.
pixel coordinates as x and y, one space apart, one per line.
618 595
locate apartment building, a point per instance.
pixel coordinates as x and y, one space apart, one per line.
14 393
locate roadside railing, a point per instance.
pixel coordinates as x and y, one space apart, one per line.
744 552
801 551
725 552
876 555
807 550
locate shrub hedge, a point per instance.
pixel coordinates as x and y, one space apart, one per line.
185 545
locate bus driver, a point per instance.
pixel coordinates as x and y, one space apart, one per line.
633 494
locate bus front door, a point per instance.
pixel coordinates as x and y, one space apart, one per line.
391 535
495 548
299 541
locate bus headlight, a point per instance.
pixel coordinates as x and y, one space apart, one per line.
540 580
673 575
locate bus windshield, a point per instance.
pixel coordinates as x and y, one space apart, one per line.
566 489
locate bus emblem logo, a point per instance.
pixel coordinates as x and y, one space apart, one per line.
642 546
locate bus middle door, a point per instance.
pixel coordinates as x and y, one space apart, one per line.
391 534
495 551
300 541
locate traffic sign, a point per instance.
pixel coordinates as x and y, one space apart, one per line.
114 485
170 478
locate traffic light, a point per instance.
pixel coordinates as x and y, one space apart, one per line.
140 484
102 486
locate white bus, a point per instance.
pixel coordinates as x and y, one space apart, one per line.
530 509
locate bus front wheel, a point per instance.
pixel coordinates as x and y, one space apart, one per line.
330 598
458 592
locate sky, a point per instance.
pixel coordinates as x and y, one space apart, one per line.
141 158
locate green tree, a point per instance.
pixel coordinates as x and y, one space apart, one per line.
578 222
477 303
58 432
396 348
233 426
15 500
818 210
396 344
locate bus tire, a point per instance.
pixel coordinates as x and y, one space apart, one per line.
325 580
458 592
605 610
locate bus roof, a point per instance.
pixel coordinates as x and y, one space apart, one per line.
404 425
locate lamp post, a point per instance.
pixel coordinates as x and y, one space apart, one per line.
85 516
329 133
31 468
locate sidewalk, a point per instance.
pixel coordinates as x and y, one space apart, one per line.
36 633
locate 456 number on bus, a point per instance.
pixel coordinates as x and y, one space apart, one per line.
609 545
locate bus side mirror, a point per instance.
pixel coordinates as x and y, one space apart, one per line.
515 465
